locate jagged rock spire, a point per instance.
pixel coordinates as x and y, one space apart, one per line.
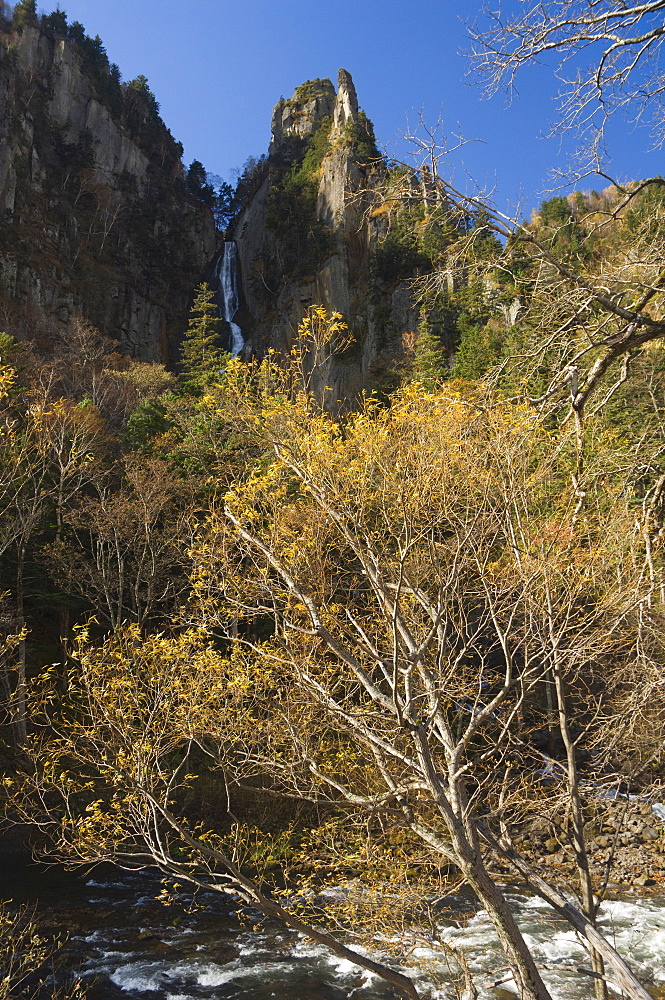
346 105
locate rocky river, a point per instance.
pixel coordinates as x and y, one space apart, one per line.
129 946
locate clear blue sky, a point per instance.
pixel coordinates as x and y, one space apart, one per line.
217 68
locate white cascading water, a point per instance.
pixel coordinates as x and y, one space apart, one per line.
225 280
130 946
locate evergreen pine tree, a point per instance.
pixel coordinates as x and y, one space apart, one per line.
139 85
56 22
76 32
94 53
25 14
224 205
202 358
479 349
430 365
196 183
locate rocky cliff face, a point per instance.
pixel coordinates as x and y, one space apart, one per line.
311 232
94 216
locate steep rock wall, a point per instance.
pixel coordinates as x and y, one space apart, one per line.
94 216
323 147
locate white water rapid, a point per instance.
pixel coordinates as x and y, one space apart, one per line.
209 957
225 281
129 945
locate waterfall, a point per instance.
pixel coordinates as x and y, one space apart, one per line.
225 280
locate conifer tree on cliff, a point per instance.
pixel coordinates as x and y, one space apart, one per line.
25 13
202 358
429 366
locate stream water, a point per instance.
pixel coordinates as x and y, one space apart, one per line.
129 946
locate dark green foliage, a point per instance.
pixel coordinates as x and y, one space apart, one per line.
76 32
141 107
202 359
148 421
224 207
399 256
196 177
316 147
419 234
143 122
649 205
485 245
290 153
478 331
74 156
55 22
305 242
95 61
94 54
8 348
555 211
430 364
139 86
110 90
310 89
196 183
360 137
479 350
252 177
25 14
562 229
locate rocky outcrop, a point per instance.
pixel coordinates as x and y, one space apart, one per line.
94 216
317 245
300 116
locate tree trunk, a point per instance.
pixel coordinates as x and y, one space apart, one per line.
579 842
530 986
624 976
19 710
